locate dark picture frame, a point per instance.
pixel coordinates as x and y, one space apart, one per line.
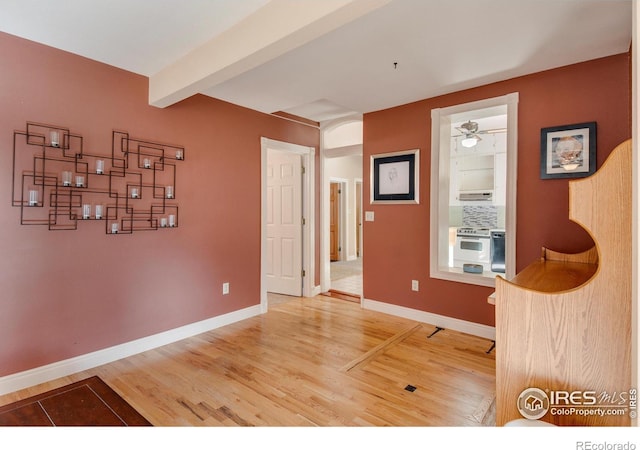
568 151
395 177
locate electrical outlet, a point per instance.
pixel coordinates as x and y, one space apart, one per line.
225 288
415 286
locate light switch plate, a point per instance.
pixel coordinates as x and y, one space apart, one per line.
368 216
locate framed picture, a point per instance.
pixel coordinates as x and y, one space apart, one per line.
395 177
568 151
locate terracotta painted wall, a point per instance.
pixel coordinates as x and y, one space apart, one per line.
67 293
396 244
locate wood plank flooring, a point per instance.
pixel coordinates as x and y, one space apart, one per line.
308 362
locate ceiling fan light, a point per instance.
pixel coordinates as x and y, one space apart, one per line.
469 142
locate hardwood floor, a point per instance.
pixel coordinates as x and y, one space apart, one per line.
308 362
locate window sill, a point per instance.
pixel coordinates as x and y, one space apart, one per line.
456 274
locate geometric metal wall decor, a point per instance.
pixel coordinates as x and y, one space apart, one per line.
56 183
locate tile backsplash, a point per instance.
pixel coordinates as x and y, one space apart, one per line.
480 216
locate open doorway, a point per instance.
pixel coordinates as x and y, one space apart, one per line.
359 218
335 218
346 264
298 261
341 251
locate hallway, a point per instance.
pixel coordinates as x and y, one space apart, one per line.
346 276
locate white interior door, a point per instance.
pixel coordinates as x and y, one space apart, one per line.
284 223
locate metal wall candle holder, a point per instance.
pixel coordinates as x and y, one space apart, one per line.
116 184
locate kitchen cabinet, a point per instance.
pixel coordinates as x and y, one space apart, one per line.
500 180
476 173
473 174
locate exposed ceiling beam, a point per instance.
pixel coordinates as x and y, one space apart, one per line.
276 28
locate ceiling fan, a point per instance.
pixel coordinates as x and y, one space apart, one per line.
472 134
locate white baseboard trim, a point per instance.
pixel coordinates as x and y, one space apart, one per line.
450 323
32 377
316 291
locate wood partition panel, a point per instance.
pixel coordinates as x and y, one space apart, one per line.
563 324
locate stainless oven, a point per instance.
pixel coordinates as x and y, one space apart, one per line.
473 246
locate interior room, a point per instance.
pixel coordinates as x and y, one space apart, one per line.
180 197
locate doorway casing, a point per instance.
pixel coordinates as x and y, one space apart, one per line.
308 194
334 145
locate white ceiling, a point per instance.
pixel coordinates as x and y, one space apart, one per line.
323 59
